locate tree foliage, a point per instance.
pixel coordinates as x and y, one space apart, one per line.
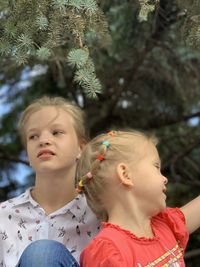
139 59
33 32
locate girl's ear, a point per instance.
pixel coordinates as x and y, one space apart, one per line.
80 149
78 156
124 174
79 153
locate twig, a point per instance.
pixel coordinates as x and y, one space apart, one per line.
192 254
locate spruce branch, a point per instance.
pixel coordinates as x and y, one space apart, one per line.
93 88
10 29
83 76
46 31
42 23
60 4
77 57
89 6
24 41
4 47
193 32
21 58
88 81
43 53
146 8
77 4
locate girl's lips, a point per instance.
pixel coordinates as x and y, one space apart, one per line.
164 190
45 152
45 156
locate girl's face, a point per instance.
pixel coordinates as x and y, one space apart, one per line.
149 184
52 142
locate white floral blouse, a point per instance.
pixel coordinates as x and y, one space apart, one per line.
22 221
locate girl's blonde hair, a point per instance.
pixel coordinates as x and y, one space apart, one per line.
98 161
74 111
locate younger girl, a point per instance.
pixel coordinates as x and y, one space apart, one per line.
120 176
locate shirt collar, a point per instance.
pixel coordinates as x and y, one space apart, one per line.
76 207
25 198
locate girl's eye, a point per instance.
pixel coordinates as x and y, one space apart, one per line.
33 137
57 132
157 166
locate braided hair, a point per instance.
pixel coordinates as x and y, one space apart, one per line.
96 166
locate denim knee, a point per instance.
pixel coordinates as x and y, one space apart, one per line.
47 253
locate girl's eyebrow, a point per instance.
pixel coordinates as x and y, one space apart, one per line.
52 125
57 125
31 130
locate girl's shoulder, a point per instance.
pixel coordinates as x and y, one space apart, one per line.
15 203
171 216
110 248
174 220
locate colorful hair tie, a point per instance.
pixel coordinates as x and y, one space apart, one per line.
80 184
112 133
89 175
106 143
79 190
100 157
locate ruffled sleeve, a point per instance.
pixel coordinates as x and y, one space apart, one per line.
175 219
102 253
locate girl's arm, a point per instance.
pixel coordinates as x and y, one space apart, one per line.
192 214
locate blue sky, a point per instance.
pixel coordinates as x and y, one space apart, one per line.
21 171
25 81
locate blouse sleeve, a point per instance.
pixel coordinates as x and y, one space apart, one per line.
102 253
175 219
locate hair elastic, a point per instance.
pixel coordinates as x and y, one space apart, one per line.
112 133
106 143
89 175
100 157
79 190
80 184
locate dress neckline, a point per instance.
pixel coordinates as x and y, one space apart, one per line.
131 234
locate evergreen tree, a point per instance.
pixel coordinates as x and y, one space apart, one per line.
126 63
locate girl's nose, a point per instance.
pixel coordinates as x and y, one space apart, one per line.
165 180
44 139
44 143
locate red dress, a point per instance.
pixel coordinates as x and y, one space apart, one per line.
116 247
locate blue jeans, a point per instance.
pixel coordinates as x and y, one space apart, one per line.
47 253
